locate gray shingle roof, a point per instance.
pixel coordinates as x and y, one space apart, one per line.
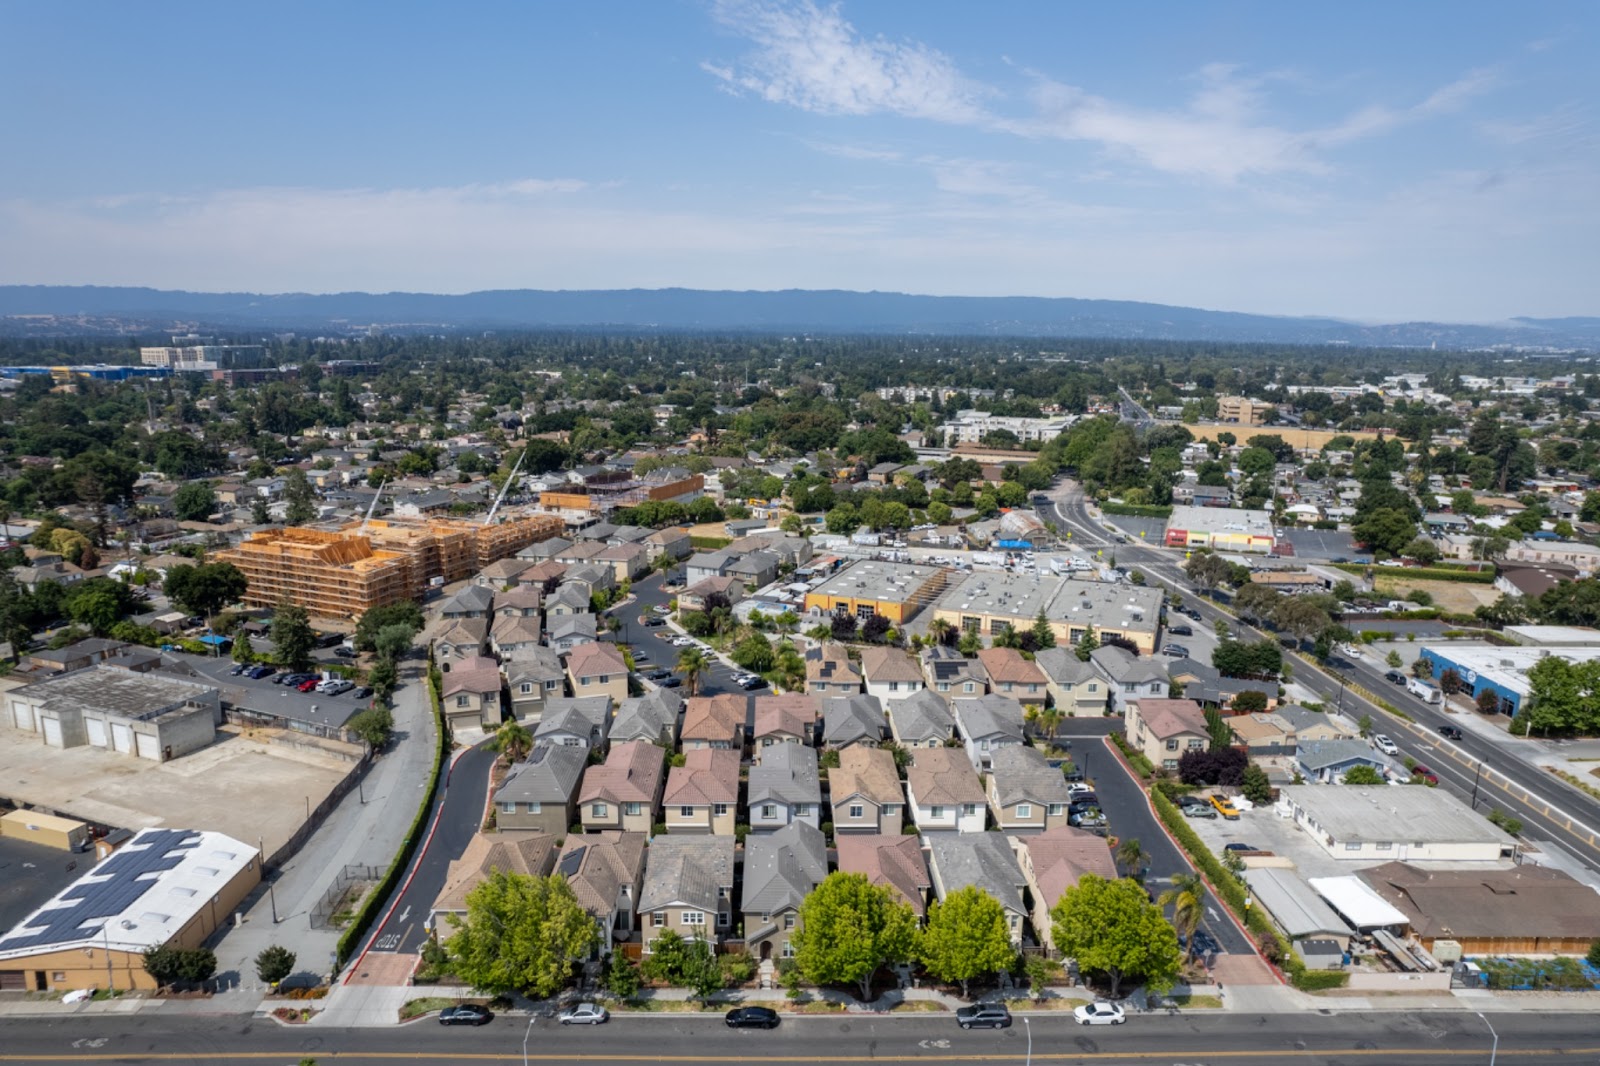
550 775
921 717
1022 774
648 717
988 716
983 860
1063 666
786 774
781 867
582 715
688 870
847 719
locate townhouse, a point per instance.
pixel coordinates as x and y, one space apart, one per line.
986 724
848 721
785 787
984 861
864 792
944 792
541 793
688 888
624 792
702 795
921 721
1025 792
1012 675
598 670
780 870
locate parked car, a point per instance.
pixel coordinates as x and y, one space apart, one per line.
1237 846
238 668
1395 677
751 683
584 1014
682 642
345 653
337 688
984 1016
659 674
1426 774
308 684
751 1018
1084 799
1080 787
1450 732
1192 801
1092 821
1199 812
1177 651
256 673
1384 744
1099 1013
1181 630
1074 775
671 682
466 1014
361 692
652 622
661 608
1225 808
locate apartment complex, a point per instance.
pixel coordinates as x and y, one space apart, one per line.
1244 411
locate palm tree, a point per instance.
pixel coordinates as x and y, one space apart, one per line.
1050 720
1132 856
939 629
1187 897
691 664
513 740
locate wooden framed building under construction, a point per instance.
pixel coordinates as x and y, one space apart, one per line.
344 573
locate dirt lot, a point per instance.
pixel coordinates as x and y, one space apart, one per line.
1460 596
244 787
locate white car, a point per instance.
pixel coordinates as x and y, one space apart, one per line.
584 1014
661 608
682 642
1099 1013
1384 744
1078 788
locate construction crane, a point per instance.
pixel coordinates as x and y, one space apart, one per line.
505 488
371 507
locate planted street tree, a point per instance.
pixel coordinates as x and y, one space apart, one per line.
1187 898
1112 928
513 740
967 936
274 964
851 928
521 934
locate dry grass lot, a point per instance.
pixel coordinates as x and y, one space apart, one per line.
241 786
1460 596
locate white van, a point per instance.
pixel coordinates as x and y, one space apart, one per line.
1424 691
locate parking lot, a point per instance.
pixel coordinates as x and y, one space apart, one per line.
1321 544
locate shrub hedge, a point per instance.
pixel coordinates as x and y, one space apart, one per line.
1423 573
1137 510
373 904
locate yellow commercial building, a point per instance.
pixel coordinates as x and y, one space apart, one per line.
897 591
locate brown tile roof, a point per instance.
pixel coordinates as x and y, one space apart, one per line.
868 772
894 861
476 673
1519 904
513 851
714 718
592 660
1168 718
944 776
708 775
794 713
1007 664
1061 856
597 865
630 774
889 664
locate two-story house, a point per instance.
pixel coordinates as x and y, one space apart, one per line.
944 792
702 795
951 674
688 888
606 873
534 679
575 722
890 673
1129 676
1075 686
455 639
518 852
598 670
624 792
851 720
470 693
1164 729
1012 675
569 598
987 723
780 870
893 861
472 601
829 671
714 722
864 792
921 721
784 787
567 633
541 792
1025 792
789 718
652 717
515 631
984 861
1054 861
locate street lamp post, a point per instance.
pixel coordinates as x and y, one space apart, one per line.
525 1035
1494 1049
1029 1030
1477 777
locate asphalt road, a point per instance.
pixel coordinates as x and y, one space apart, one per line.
1379 1037
656 642
457 816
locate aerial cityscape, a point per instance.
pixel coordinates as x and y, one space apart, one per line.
610 526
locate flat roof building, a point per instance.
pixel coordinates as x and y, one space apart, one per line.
1503 671
1220 528
1398 822
985 602
897 591
150 715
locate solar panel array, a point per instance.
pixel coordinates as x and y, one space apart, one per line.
119 882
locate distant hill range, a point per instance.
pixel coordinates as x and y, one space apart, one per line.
45 310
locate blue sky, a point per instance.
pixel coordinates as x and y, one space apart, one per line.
1377 161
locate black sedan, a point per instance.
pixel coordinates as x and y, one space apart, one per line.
1450 732
659 675
751 1018
466 1014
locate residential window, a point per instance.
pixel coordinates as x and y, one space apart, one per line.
685 812
1093 688
802 810
722 920
551 684
1169 764
659 918
769 810
888 808
1353 846
1172 745
526 688
1024 810
599 810
721 809
788 920
1384 845
1055 810
463 701
604 678
944 686
857 810
968 687
969 809
508 808
788 950
936 812
571 742
632 808
894 686
533 808
694 917
1195 744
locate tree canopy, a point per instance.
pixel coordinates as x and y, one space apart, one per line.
521 934
1112 928
849 929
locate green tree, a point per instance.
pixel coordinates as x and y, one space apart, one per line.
302 506
1044 633
260 511
849 929
383 679
205 589
754 653
274 963
373 621
1255 785
99 603
1132 857
292 636
393 641
1087 644
622 976
1250 701
195 501
1112 928
513 740
521 934
1393 659
967 935
692 664
1218 730
163 965
1187 898
373 725
243 650
1363 775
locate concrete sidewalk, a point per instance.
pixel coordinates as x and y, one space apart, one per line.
356 833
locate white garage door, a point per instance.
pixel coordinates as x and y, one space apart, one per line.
97 731
149 747
24 716
122 738
52 731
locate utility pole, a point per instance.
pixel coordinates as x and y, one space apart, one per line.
272 892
